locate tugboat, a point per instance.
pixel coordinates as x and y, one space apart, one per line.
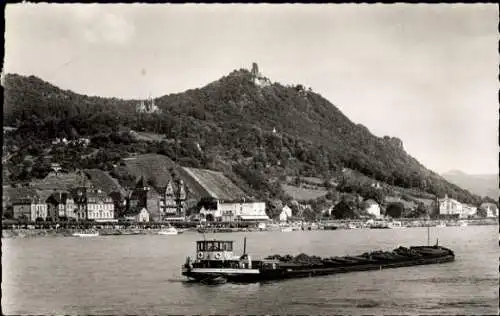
215 263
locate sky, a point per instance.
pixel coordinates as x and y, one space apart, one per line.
427 74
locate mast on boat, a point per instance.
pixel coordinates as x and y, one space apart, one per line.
244 245
428 233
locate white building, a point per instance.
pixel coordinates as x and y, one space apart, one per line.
490 208
468 210
94 205
235 211
242 210
448 206
140 215
30 208
210 214
147 107
372 208
285 214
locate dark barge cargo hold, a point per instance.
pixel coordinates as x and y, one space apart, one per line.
215 261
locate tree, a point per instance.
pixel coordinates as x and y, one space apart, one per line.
332 195
482 212
395 209
208 203
310 215
420 211
295 209
297 181
327 184
274 208
344 209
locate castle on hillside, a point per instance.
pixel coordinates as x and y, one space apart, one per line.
147 107
258 78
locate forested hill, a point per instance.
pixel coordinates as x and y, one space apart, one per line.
241 124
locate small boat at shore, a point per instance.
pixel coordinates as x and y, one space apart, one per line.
379 225
86 234
330 227
215 262
396 224
169 231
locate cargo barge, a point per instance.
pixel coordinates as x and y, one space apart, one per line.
215 262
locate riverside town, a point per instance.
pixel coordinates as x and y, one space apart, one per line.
206 200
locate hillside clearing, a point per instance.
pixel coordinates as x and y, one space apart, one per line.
303 194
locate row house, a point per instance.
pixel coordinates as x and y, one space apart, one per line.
173 200
94 205
139 215
60 205
168 203
144 196
30 208
80 204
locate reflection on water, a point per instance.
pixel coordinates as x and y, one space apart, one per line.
141 275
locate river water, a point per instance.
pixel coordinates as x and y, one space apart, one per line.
141 275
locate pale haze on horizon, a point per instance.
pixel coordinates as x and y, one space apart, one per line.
427 74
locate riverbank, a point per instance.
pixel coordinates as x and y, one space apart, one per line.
32 233
341 225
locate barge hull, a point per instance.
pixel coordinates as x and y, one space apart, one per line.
278 274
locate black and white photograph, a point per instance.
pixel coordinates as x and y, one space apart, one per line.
250 159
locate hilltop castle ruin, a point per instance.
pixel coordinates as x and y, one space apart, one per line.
258 78
147 107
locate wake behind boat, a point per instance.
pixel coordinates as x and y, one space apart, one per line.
215 260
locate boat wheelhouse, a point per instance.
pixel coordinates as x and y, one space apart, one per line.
216 254
215 258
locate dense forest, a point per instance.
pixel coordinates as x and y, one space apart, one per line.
254 133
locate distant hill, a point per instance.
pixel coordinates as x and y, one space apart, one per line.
243 124
483 185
